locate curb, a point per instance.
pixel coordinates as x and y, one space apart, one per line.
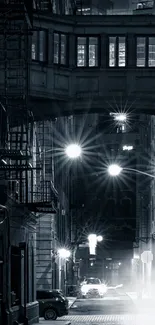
53 322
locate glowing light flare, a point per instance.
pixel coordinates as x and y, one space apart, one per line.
73 151
136 257
114 170
92 249
64 253
99 238
92 239
102 288
121 117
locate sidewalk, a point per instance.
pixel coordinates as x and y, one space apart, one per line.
145 297
145 304
52 322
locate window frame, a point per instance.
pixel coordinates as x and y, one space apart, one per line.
146 50
117 51
38 46
87 51
66 64
146 45
150 36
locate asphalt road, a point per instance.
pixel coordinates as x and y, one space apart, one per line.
112 303
116 308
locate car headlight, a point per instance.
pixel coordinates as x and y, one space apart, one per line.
84 289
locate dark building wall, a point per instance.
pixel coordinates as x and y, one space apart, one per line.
19 278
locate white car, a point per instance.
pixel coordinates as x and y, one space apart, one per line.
93 287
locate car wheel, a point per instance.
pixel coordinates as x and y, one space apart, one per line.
50 314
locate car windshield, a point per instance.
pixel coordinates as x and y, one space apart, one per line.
93 281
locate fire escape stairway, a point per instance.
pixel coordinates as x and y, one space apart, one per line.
14 38
16 163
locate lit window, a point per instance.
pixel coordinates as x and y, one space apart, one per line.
81 51
93 51
121 51
151 55
34 54
112 51
117 51
127 148
141 51
39 46
60 48
87 51
63 49
56 48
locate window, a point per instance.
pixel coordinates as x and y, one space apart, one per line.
87 51
39 46
117 51
151 52
60 49
112 51
141 51
121 51
145 52
93 51
81 51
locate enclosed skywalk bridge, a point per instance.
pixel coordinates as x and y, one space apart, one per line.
123 70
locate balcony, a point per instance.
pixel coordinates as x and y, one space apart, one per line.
45 198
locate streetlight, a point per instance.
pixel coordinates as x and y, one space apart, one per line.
64 253
115 170
73 151
119 117
99 238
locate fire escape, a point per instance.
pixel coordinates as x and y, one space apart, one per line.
18 167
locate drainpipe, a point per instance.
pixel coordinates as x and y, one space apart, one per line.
23 246
6 299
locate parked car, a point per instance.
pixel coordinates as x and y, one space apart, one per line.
52 304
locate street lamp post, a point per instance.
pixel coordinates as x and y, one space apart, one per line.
64 254
73 151
115 170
